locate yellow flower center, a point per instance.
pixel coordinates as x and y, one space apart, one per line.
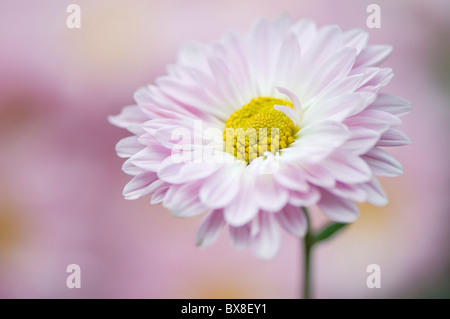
257 128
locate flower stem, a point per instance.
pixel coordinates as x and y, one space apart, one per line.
308 243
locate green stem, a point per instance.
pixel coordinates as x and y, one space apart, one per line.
308 242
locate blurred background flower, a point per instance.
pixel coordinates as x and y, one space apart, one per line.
61 182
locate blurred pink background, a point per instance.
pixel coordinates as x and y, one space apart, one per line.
61 182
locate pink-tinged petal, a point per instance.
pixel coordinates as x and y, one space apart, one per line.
376 77
243 209
391 104
316 141
305 30
193 95
194 53
268 195
130 118
129 168
261 57
290 113
328 41
141 185
233 50
318 175
339 87
375 193
291 177
221 187
183 201
368 123
128 146
337 67
288 59
294 99
348 168
221 75
266 243
177 173
160 194
240 236
293 219
339 108
392 120
338 209
210 228
150 158
382 164
304 199
373 55
393 137
362 140
355 38
352 192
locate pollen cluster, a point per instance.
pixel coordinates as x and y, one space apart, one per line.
257 128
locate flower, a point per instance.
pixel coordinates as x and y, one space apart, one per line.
252 127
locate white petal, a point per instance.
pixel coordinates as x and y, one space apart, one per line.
293 219
348 168
141 185
337 67
291 177
391 104
356 38
131 117
177 173
128 146
267 242
316 141
240 236
221 188
352 192
293 98
393 137
304 199
375 193
338 209
160 194
150 158
288 60
362 140
319 175
243 208
373 55
290 113
382 163
183 200
210 229
339 108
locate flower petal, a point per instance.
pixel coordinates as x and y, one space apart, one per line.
240 236
373 55
210 228
293 219
382 163
141 185
221 187
392 104
243 208
393 137
338 209
266 243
